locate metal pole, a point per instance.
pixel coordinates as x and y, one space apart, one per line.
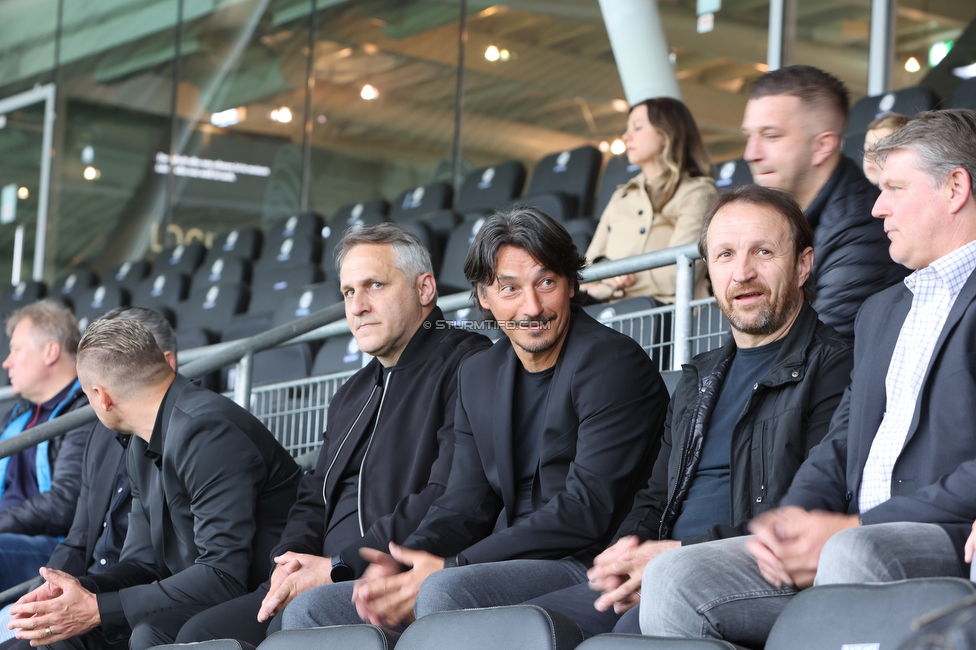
242 381
881 48
44 186
309 89
640 49
683 288
782 33
459 97
174 125
18 255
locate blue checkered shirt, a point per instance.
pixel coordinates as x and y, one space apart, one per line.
934 291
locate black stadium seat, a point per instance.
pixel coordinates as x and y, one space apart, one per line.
281 364
420 201
313 298
492 628
337 354
907 101
13 298
305 225
181 259
268 285
211 307
163 289
127 275
291 250
223 269
653 332
965 95
368 213
451 277
581 230
732 174
92 303
70 287
617 172
563 184
431 242
244 243
351 637
637 642
489 188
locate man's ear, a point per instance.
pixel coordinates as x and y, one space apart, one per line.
804 265
958 189
825 144
482 295
51 352
170 359
426 289
101 396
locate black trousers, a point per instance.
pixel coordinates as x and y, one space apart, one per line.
235 619
577 603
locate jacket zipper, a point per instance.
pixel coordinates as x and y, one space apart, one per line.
325 479
762 467
369 443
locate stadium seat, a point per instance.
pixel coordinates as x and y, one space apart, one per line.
653 332
581 230
312 298
222 269
432 243
243 242
292 250
907 101
862 615
127 275
368 213
489 188
181 259
351 637
451 276
965 95
337 354
618 171
563 184
166 289
92 303
280 364
70 287
421 200
13 298
211 307
216 644
271 281
306 225
493 628
732 174
637 642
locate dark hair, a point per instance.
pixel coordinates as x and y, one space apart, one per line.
780 202
158 326
533 231
684 152
811 85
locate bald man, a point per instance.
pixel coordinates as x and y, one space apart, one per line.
795 121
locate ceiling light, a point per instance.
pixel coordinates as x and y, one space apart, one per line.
912 64
282 115
965 71
22 193
321 119
370 48
504 54
620 105
604 146
492 53
91 173
618 147
230 117
369 92
938 52
88 154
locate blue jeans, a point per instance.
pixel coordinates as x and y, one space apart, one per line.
21 556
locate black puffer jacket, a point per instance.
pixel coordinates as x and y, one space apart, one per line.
787 414
851 260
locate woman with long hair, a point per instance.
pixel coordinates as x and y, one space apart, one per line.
660 207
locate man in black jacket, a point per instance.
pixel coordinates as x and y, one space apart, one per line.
743 417
390 435
794 122
556 427
39 486
211 488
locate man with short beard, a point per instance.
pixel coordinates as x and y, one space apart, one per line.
743 417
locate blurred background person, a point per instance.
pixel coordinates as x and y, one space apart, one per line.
879 129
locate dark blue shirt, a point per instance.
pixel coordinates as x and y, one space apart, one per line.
528 422
20 482
709 498
108 546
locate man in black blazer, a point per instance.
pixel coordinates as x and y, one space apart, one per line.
555 429
210 492
888 494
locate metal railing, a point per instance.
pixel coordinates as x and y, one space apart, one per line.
688 337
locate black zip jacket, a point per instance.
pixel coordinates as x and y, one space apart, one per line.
408 460
787 414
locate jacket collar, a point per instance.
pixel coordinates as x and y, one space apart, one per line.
157 441
844 169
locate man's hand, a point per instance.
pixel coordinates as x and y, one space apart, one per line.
385 595
788 542
296 573
971 545
621 281
57 610
618 571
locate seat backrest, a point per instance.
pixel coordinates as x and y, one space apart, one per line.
421 200
861 615
182 259
212 306
127 275
215 644
617 171
166 289
304 225
572 173
92 303
360 637
282 364
581 230
731 174
268 285
965 95
489 188
292 250
16 296
367 213
312 298
635 642
451 277
337 354
907 101
243 242
492 628
224 268
73 284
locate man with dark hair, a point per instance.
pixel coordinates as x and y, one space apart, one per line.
556 426
794 122
389 440
765 398
888 494
39 486
210 491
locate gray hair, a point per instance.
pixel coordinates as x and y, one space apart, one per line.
942 141
158 326
412 257
51 319
122 353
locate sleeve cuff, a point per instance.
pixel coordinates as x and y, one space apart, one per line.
115 627
351 557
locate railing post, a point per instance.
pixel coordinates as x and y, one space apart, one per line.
684 287
242 381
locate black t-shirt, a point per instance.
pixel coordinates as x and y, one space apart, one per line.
709 498
528 423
